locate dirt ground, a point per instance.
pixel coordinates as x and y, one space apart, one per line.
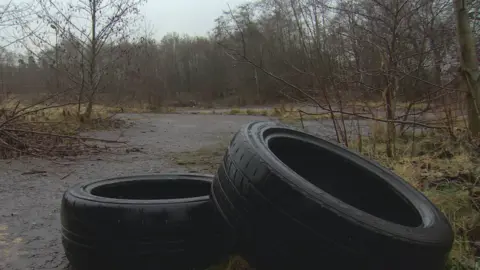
31 189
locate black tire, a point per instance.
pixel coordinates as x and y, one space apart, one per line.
299 202
143 222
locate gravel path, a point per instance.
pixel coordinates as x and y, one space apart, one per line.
30 200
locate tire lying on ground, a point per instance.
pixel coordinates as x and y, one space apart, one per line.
143 222
299 202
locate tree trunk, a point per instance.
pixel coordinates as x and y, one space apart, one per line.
256 83
390 115
93 65
468 64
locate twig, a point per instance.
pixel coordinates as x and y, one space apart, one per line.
328 109
67 175
18 115
64 136
382 120
301 118
34 172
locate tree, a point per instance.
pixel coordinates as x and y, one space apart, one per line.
91 27
468 64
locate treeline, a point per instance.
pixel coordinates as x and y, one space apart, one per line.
262 52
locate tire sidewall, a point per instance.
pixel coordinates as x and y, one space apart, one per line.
435 227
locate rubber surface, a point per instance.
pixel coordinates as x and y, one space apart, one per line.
328 209
143 222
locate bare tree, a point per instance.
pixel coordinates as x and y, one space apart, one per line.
92 27
469 64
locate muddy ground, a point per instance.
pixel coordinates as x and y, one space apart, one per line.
31 189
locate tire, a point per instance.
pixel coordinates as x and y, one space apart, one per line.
143 222
299 202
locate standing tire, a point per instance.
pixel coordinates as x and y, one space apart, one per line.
143 222
299 202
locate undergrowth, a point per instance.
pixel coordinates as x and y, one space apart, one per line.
205 160
47 130
446 170
288 114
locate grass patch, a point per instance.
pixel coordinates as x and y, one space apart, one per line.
234 263
234 111
447 172
64 120
50 130
255 112
206 159
381 104
162 110
295 117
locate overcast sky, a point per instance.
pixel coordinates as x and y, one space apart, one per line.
194 17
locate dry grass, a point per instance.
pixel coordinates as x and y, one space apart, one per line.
233 263
447 172
65 119
43 130
283 113
158 110
251 111
206 159
45 120
289 114
381 104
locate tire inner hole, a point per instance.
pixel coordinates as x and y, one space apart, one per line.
154 189
345 180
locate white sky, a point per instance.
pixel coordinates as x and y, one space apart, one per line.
193 17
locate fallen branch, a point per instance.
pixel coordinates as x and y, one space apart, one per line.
414 123
34 172
63 136
67 175
18 115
